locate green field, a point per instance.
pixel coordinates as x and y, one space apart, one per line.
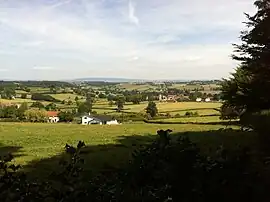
164 107
144 87
66 96
194 119
42 145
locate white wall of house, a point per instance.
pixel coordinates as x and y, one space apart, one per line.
112 122
54 119
208 100
86 120
198 99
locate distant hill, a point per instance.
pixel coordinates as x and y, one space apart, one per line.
113 80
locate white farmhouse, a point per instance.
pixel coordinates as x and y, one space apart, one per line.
98 119
53 117
208 99
198 99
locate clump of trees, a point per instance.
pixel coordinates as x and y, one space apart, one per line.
7 92
190 114
120 101
86 107
248 87
13 112
43 97
151 109
51 107
38 105
24 95
35 115
66 116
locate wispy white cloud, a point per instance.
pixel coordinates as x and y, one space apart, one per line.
173 38
43 68
131 13
3 70
32 43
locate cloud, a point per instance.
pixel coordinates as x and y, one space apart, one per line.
3 70
131 13
33 43
174 38
43 68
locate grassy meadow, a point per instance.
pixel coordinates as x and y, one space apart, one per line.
41 146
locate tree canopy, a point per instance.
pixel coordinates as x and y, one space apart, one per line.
249 86
152 109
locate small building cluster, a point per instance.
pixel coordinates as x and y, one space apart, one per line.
98 119
86 119
203 100
163 98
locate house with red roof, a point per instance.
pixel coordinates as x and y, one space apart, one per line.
53 116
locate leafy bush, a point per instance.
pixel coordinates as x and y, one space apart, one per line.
188 113
51 107
24 95
259 121
66 116
37 105
177 116
34 115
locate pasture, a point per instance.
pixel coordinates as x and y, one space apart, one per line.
41 146
163 107
175 107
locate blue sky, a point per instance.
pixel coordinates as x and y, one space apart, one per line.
146 39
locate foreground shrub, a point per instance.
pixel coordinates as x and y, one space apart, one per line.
259 121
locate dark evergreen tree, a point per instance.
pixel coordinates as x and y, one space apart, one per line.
249 87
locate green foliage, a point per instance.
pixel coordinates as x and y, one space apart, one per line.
43 97
259 121
69 102
51 107
248 86
34 115
7 92
66 116
111 103
119 102
37 105
102 95
152 109
228 112
8 112
134 98
24 95
84 108
189 113
21 110
168 169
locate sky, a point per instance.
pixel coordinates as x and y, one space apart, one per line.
139 39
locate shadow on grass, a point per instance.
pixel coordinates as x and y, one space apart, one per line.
5 150
106 158
223 123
